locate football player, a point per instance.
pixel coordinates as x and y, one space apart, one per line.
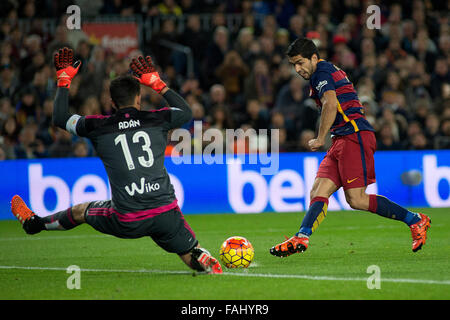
131 145
349 162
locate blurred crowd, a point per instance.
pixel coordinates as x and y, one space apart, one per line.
241 78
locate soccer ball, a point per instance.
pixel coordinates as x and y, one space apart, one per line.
236 252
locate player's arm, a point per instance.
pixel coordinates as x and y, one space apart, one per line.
327 117
180 110
324 85
145 71
61 112
65 71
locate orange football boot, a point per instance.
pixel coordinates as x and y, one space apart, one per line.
290 246
419 232
20 209
30 221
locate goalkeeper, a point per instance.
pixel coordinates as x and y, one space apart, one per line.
131 145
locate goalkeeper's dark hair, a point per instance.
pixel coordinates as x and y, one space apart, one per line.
124 90
304 47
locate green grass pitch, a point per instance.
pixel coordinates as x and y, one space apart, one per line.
334 266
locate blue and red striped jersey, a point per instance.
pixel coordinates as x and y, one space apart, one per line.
350 116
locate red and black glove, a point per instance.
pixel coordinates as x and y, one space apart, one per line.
145 71
65 68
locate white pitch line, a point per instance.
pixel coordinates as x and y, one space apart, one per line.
98 270
329 278
245 274
55 237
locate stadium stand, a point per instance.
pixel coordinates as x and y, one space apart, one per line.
227 59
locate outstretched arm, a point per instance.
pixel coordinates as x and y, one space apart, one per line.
65 71
61 108
145 71
181 112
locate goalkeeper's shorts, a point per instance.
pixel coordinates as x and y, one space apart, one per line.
168 229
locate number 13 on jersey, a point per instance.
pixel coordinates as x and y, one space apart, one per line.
137 136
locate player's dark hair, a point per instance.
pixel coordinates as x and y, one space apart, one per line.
123 90
304 47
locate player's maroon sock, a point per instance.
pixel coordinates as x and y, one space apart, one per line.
62 220
316 213
386 208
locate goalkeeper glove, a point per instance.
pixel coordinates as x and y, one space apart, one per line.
146 73
65 68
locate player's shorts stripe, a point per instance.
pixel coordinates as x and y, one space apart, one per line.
100 212
141 215
186 225
363 157
132 216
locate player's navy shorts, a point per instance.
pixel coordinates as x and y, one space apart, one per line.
167 228
349 162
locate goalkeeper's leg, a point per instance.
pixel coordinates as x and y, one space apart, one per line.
172 233
62 220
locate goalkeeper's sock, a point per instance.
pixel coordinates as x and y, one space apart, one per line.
386 208
62 220
314 216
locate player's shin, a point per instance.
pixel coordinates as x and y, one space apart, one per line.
386 208
62 220
314 216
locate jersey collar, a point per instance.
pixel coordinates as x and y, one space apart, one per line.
127 109
320 60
